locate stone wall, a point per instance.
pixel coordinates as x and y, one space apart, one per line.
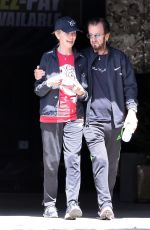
130 29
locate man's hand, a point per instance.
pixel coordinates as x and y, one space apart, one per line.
78 89
38 73
131 119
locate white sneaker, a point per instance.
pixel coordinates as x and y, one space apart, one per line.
50 212
73 211
106 213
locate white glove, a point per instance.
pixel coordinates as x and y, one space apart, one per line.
54 80
131 119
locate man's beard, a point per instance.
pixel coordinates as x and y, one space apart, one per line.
101 47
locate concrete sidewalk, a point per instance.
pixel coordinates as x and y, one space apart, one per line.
24 212
40 223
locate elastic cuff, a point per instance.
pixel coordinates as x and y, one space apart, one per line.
134 109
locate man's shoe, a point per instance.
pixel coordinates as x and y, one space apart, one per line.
73 211
106 214
50 212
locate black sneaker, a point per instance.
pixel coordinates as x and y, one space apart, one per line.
50 212
106 214
73 211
